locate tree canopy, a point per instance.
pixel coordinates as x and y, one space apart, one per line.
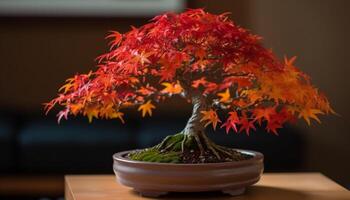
191 53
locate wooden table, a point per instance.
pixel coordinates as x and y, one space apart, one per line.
272 186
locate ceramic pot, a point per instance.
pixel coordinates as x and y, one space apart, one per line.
154 179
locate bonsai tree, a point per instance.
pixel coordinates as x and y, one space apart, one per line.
209 61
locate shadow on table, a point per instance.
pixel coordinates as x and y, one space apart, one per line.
253 192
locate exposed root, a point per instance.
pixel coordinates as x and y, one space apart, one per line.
174 142
192 147
193 138
210 145
222 150
183 143
199 143
216 149
179 142
164 141
171 145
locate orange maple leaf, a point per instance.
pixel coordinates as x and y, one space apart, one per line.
289 62
211 117
91 113
66 87
202 81
171 88
117 115
225 96
146 108
308 113
252 95
146 91
75 108
266 113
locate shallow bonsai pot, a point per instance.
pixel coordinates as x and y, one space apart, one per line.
154 179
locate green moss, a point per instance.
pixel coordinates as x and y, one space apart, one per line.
169 151
175 141
155 155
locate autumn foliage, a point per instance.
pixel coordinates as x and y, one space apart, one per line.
194 52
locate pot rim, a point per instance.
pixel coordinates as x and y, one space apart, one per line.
257 156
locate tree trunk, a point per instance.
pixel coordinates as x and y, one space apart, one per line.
195 129
194 126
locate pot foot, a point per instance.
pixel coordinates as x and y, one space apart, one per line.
151 193
234 192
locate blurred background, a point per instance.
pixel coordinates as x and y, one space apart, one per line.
44 42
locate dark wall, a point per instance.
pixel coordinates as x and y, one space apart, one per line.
38 54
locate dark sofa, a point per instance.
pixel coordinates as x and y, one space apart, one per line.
31 146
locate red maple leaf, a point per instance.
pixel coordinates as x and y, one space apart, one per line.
246 124
231 122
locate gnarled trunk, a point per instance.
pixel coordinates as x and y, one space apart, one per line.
194 125
195 130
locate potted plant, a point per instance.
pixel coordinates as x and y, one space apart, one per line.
212 63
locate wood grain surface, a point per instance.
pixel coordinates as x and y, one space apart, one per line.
272 186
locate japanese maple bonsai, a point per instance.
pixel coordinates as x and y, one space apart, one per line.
209 61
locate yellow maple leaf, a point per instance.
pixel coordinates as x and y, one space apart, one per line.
308 113
146 108
91 113
211 117
66 87
117 115
171 88
225 96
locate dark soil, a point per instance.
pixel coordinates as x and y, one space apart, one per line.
187 157
193 156
180 148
